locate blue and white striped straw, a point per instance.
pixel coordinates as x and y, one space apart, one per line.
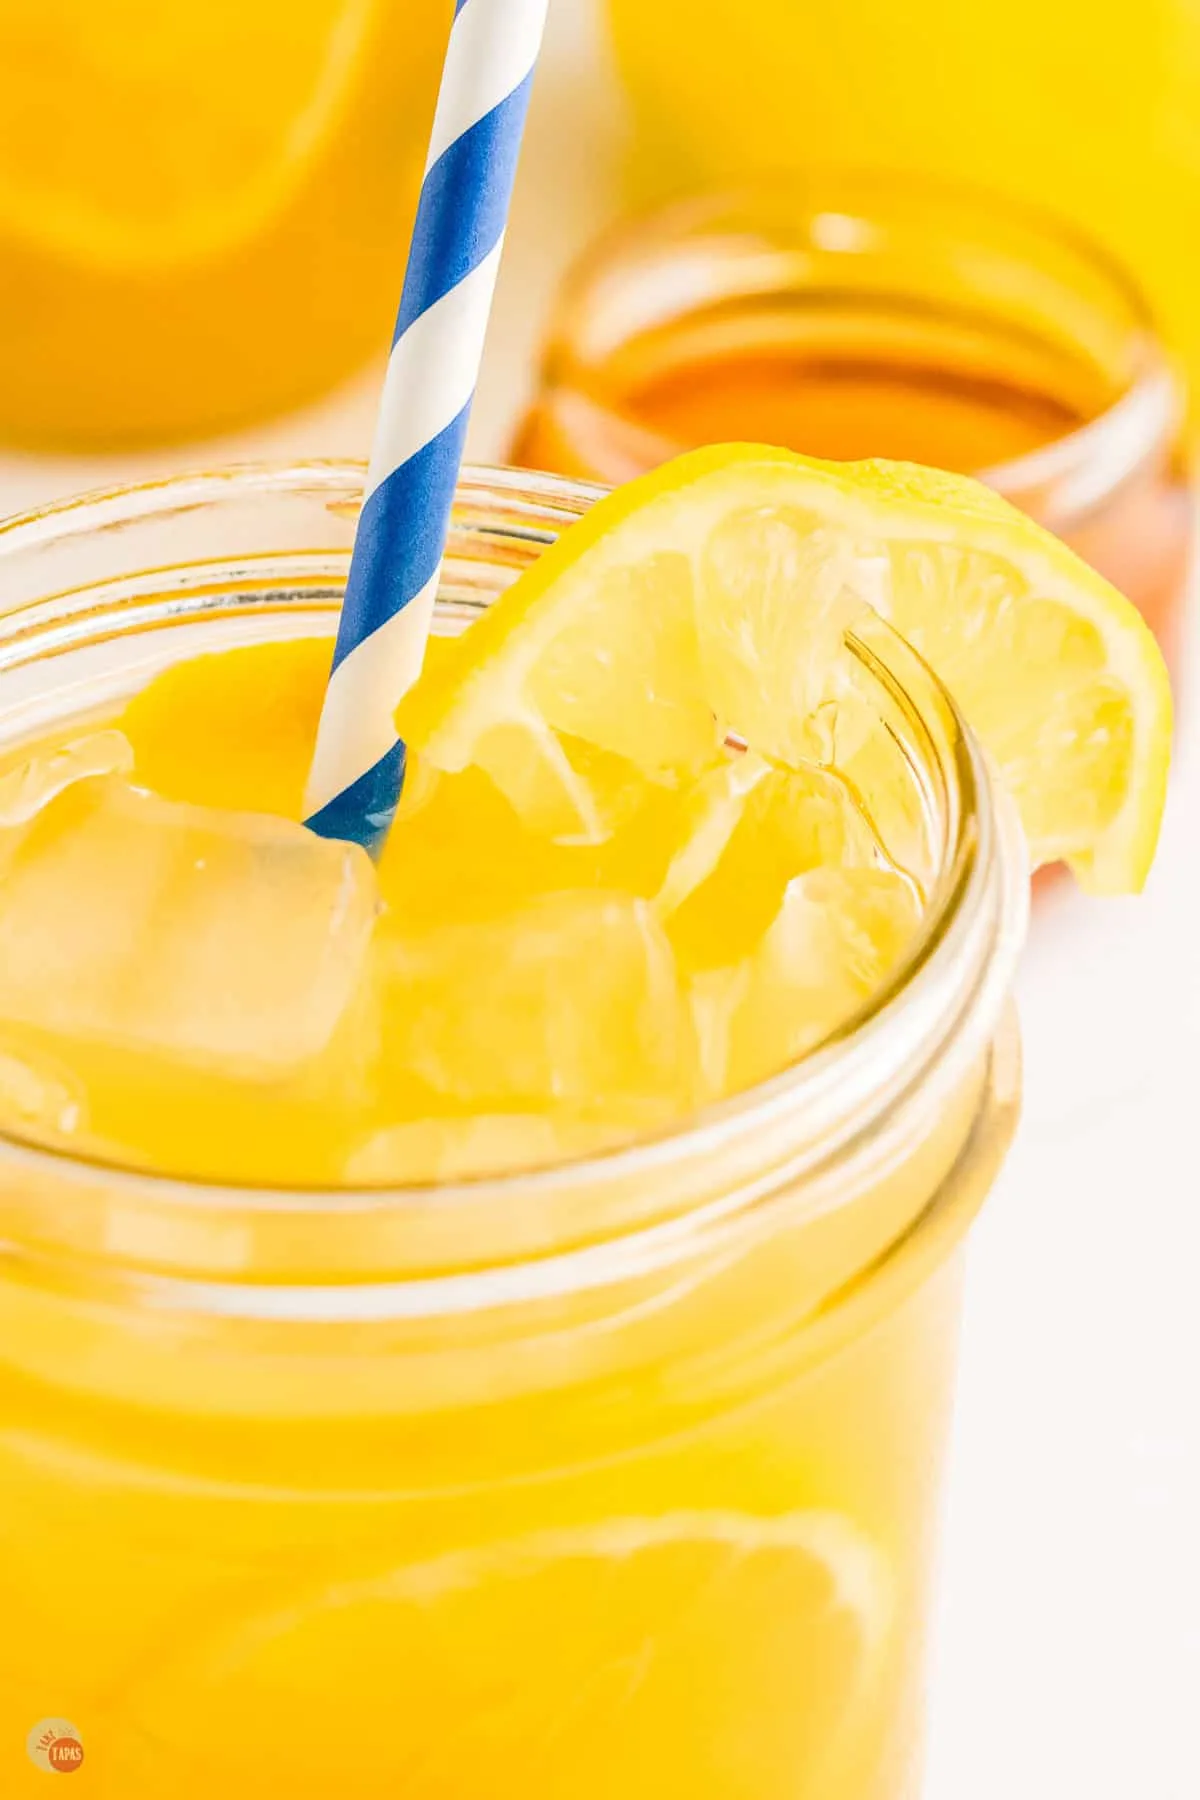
358 765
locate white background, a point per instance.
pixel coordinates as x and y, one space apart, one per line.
1068 1652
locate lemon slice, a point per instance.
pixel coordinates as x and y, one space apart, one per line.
704 1653
713 597
136 135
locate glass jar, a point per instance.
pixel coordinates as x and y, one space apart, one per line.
851 316
617 1477
203 206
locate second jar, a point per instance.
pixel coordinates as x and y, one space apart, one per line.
856 316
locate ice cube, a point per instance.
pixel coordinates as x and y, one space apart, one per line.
570 1000
226 941
38 1096
774 825
24 790
837 936
708 814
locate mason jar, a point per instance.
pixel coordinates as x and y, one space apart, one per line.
614 1478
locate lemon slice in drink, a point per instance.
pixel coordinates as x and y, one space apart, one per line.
713 596
709 1653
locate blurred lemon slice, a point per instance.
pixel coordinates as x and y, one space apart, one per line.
713 597
575 1661
136 134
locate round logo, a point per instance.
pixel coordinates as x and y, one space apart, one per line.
55 1745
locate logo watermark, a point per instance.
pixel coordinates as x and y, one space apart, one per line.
55 1746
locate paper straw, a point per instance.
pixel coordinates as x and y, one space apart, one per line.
358 764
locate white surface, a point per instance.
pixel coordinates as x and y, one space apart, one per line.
1068 1654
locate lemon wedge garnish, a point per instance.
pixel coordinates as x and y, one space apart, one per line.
713 597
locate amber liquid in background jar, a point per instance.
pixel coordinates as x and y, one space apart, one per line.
852 317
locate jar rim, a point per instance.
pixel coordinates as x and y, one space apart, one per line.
953 982
1090 459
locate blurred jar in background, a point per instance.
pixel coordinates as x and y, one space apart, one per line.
1091 107
852 316
204 205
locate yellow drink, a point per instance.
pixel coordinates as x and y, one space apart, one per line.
1087 108
609 1478
203 208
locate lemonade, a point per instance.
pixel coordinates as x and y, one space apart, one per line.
203 208
487 1323
684 938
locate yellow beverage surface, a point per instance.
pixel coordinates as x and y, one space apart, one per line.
666 1535
1091 107
203 208
242 1000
